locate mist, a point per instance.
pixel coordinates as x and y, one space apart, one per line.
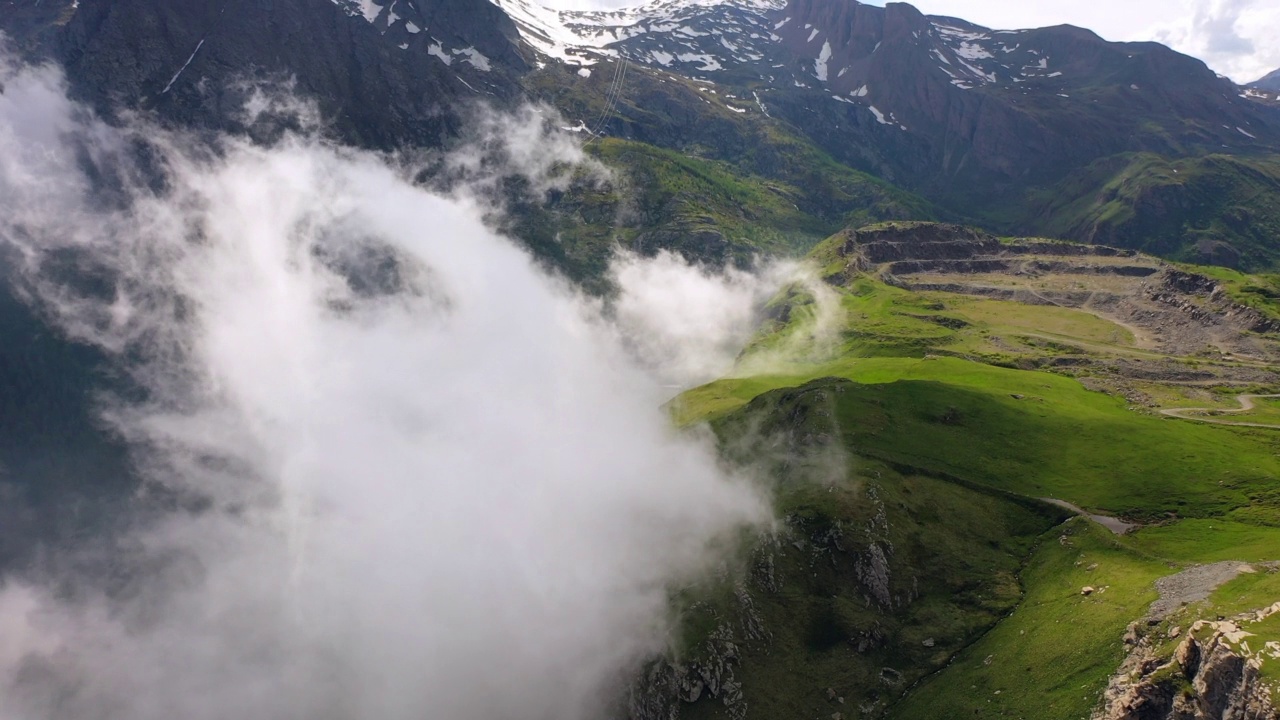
688 322
411 474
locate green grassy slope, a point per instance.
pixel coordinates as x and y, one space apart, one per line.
951 563
1216 209
1260 291
1055 440
707 210
662 110
951 451
980 456
692 174
1053 655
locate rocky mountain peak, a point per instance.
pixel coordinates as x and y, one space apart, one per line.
585 37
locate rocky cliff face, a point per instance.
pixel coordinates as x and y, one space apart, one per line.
891 242
384 72
1212 675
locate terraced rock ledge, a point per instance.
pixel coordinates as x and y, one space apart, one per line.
1185 327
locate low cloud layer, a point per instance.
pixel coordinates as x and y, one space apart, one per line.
686 322
691 324
422 478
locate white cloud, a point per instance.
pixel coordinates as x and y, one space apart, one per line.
1238 38
688 322
435 484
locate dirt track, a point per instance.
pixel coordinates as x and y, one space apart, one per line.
1115 525
1193 585
1246 404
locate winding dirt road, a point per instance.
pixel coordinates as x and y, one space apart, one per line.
1246 404
1115 525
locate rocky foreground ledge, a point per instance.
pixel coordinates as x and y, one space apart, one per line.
1213 674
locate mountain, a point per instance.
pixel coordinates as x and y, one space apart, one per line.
947 89
385 74
982 122
923 76
685 35
1270 82
997 127
1013 476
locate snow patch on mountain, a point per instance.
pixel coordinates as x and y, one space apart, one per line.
820 65
970 51
952 32
367 9
438 50
708 63
584 37
547 30
475 58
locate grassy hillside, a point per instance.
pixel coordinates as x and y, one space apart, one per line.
1217 209
697 120
707 210
1260 291
1050 658
915 431
694 175
1055 439
816 622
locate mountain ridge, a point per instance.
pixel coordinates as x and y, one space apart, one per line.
982 123
1270 81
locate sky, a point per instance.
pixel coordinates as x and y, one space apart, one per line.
1237 38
